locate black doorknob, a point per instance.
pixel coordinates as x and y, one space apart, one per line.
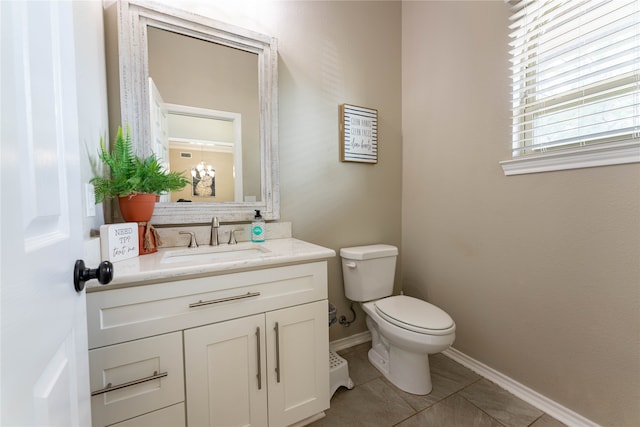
104 274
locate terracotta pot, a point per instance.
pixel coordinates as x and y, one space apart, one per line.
137 207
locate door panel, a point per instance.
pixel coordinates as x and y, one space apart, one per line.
159 129
44 337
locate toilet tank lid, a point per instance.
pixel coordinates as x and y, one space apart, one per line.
368 252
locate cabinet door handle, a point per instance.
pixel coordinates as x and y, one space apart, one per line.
219 300
277 329
110 387
259 359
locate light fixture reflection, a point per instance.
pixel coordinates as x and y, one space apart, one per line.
201 171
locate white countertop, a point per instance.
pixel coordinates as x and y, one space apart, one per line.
150 268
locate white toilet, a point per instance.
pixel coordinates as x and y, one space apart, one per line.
404 330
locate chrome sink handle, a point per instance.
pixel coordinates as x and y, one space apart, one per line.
192 242
232 238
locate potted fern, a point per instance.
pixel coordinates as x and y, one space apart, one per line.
134 180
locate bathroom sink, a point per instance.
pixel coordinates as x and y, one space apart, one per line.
206 254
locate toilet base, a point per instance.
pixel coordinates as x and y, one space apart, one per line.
408 371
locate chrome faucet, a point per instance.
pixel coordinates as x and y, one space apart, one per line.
232 238
215 225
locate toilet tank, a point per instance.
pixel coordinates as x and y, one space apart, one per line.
368 271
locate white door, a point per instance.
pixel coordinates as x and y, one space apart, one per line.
44 365
159 129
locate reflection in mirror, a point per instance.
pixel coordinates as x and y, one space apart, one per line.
199 71
199 138
188 71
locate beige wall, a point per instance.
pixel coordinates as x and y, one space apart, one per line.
540 272
333 53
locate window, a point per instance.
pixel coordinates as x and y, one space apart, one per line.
575 68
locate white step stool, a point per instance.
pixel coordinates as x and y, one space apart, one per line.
338 373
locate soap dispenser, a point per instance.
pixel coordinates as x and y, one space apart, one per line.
257 228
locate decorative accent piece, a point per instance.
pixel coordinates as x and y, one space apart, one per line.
119 241
358 134
148 238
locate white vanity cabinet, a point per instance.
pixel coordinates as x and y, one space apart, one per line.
249 348
259 370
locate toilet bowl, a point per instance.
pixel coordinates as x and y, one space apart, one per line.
399 348
404 330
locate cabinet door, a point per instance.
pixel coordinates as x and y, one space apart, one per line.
298 362
224 372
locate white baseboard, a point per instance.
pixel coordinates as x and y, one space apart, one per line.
530 396
350 341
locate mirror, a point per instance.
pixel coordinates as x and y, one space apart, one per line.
181 76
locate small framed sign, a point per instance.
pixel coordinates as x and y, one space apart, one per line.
119 241
358 134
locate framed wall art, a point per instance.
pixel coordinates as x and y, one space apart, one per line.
358 134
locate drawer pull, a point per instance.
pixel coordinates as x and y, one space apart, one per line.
277 329
110 387
219 300
259 359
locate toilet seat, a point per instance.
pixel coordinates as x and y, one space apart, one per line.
415 315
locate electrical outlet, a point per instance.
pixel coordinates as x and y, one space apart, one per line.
90 197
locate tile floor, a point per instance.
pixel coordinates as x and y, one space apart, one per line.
459 398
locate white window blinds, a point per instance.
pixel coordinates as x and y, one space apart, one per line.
575 74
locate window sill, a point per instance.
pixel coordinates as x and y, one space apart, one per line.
586 157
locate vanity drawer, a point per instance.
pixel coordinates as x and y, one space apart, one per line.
173 416
139 311
135 378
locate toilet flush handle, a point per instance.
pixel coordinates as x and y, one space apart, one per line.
350 264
